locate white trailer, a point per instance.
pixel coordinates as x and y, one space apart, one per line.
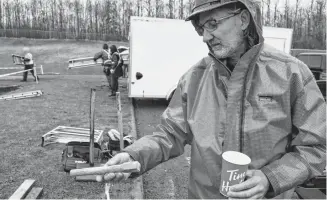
162 50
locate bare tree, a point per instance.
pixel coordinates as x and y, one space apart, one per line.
96 15
275 12
310 13
158 8
1 18
170 5
53 7
268 13
61 14
139 7
286 14
296 16
148 7
89 17
181 9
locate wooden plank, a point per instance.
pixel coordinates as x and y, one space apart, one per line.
127 167
92 111
23 189
86 178
35 193
310 193
120 122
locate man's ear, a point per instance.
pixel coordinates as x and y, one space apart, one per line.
245 19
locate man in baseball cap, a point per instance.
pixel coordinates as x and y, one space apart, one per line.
245 96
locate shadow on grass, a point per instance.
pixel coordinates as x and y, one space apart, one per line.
5 89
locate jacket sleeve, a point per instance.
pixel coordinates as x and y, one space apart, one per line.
97 56
306 157
167 141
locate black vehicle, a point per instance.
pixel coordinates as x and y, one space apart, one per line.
322 87
316 62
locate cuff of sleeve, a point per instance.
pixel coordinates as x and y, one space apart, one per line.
135 156
274 188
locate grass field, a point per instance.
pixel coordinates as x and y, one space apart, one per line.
65 102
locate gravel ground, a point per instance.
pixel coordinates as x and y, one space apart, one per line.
168 180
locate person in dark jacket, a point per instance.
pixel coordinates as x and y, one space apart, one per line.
105 56
116 69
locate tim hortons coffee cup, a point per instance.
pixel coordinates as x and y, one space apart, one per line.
234 168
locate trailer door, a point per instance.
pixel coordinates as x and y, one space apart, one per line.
161 50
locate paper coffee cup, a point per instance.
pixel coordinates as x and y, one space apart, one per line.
234 167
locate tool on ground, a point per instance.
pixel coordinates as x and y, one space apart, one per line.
91 162
77 153
65 134
27 190
22 95
128 167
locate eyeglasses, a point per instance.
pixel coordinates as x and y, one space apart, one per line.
212 24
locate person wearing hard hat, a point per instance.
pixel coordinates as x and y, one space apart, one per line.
245 96
29 64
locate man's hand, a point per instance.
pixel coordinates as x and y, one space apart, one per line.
120 158
112 71
254 187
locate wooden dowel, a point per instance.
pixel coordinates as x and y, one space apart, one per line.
120 122
128 167
92 108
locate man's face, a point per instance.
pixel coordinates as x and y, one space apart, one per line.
226 39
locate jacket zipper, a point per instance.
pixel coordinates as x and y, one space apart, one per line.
242 101
242 105
229 72
242 114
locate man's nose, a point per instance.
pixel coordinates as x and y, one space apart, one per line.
207 36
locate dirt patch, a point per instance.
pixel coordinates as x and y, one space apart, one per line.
5 89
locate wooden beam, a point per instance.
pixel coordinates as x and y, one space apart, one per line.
35 193
127 167
86 178
120 122
23 189
92 110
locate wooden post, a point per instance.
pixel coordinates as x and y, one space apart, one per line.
92 108
35 74
120 121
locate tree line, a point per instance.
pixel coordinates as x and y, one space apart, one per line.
110 19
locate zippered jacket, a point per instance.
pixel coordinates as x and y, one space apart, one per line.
269 108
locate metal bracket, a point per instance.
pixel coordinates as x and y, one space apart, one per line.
82 62
64 134
22 95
